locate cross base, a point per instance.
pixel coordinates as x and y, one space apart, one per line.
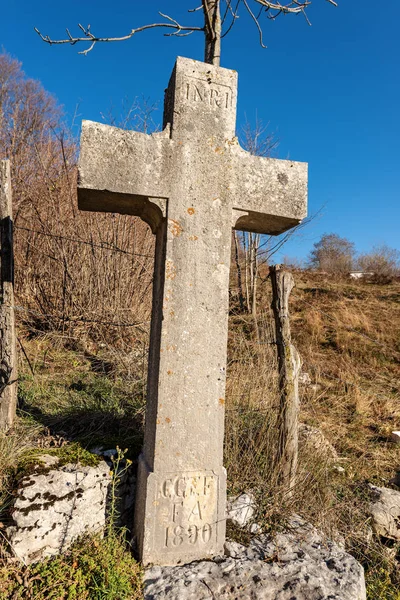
180 517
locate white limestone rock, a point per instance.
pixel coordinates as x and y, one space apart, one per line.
395 437
53 508
305 379
316 442
385 512
241 510
233 549
298 564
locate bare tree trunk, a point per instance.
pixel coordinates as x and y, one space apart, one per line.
212 18
254 243
239 271
289 367
246 270
8 356
251 267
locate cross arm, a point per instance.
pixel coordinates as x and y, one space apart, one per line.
268 195
120 170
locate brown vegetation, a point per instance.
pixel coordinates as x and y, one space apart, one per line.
77 274
348 338
83 292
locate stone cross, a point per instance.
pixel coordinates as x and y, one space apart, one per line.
192 183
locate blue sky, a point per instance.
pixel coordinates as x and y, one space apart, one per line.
330 92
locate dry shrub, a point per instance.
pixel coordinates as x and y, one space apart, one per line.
251 408
251 431
382 262
352 398
82 275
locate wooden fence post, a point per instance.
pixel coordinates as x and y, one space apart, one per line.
289 364
8 354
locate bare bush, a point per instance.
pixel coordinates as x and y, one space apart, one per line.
382 262
332 254
78 274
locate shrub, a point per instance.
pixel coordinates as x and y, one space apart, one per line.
383 262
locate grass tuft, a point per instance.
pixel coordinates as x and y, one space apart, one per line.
93 569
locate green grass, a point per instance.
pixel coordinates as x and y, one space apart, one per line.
93 569
380 585
86 407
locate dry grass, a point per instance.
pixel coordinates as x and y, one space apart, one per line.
348 337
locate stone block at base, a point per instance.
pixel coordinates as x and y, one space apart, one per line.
180 517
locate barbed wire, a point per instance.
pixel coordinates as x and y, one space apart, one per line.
114 248
103 246
308 365
66 318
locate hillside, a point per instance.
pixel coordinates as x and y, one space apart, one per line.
90 390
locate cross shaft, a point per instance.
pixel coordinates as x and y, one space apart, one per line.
192 183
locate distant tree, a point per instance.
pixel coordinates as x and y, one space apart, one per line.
382 261
293 262
69 264
332 253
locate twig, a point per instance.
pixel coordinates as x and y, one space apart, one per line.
26 356
292 7
78 319
88 36
257 23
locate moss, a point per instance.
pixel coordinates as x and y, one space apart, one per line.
75 453
31 463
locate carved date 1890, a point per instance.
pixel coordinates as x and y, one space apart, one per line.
186 504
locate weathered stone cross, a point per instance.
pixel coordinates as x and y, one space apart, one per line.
192 183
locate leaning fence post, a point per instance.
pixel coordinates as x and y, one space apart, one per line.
8 354
289 364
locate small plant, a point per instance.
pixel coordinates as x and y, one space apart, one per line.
94 568
120 468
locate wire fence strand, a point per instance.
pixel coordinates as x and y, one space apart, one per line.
102 246
76 319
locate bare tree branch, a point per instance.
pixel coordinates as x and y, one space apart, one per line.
256 21
234 14
214 27
170 23
293 7
290 7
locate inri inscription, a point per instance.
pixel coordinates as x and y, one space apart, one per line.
186 512
198 90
